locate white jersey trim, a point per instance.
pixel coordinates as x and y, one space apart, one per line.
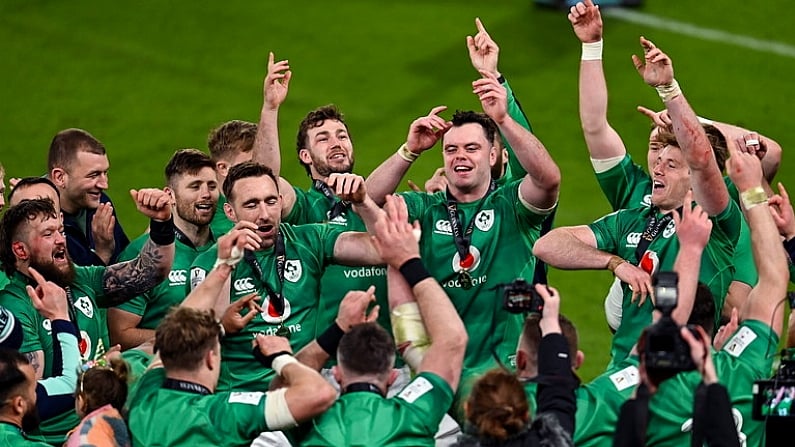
605 164
277 413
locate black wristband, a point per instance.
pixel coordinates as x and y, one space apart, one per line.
414 271
790 247
267 360
330 339
162 233
501 79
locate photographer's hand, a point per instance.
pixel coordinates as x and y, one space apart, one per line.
549 323
701 354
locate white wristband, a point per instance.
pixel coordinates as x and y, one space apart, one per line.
670 91
706 121
592 51
282 361
232 260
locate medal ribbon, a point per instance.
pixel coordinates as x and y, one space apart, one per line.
653 228
338 207
463 239
182 385
277 300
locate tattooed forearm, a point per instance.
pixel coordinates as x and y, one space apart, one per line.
125 280
35 362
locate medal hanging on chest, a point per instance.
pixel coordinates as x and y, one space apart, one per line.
463 238
276 299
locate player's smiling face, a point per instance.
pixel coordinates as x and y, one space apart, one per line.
196 196
468 157
329 149
87 177
257 200
670 179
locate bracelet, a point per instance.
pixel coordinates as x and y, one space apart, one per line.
232 260
162 232
753 197
706 121
330 338
670 91
414 271
406 154
281 361
592 51
614 262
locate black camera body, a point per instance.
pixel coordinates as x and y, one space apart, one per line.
520 296
774 398
665 348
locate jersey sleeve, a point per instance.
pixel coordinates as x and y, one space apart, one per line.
514 169
606 231
417 203
31 322
240 414
753 343
730 221
623 182
298 215
530 216
429 397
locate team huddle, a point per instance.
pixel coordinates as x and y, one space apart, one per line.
253 312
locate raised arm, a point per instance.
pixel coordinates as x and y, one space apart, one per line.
574 248
395 241
134 277
542 182
706 179
763 303
602 140
423 134
306 393
693 229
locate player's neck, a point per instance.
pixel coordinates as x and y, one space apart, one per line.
198 235
469 195
67 206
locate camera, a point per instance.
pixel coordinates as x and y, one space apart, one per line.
520 296
665 348
773 398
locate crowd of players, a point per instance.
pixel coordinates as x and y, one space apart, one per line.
252 312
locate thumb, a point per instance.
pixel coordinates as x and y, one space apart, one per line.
134 194
471 45
637 63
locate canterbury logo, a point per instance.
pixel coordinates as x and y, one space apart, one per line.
243 284
633 238
178 276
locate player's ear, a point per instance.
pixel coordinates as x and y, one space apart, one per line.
20 250
579 358
305 156
230 212
222 168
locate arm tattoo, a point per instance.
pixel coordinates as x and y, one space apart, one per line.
136 276
33 359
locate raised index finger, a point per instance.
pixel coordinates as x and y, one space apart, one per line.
480 26
37 276
438 109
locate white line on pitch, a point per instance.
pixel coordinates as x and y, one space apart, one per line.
767 46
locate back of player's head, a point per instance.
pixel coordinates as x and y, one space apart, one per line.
67 143
12 379
245 170
367 349
11 227
103 385
186 162
27 182
718 142
185 336
667 138
316 118
461 117
497 406
230 139
703 313
531 335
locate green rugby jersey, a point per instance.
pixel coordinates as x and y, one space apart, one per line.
620 232
220 225
747 356
503 235
88 295
161 416
313 207
598 403
308 249
627 185
11 435
153 305
411 418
